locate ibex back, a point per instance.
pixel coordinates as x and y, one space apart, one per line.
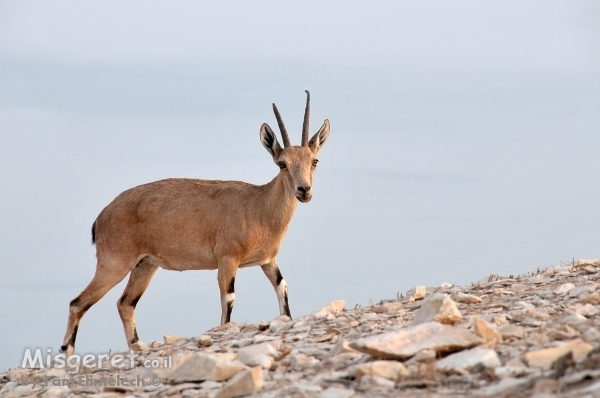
187 224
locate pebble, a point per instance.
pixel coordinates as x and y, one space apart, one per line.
387 369
438 307
200 366
171 338
204 340
245 382
335 306
473 359
467 298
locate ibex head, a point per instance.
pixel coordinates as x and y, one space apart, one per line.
297 163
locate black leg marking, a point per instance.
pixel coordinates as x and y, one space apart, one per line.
135 338
135 301
229 309
71 341
231 288
122 299
75 303
279 277
287 306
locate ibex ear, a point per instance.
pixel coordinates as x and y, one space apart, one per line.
320 137
269 141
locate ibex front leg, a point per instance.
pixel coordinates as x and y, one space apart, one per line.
226 278
272 272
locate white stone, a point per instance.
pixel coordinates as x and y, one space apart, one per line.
438 307
336 392
335 306
200 366
418 293
545 358
56 392
564 288
139 346
404 343
593 388
280 324
588 310
204 340
579 290
171 338
156 344
388 369
505 386
474 359
574 319
260 354
249 381
467 298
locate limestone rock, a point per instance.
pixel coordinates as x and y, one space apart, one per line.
387 307
336 392
335 306
418 293
487 332
368 381
503 388
280 324
341 347
388 369
580 290
564 288
246 382
423 356
204 340
139 346
545 358
200 367
510 330
156 344
474 359
259 354
403 344
574 319
171 338
467 298
438 307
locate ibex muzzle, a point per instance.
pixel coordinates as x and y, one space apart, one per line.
188 224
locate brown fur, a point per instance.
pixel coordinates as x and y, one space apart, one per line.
188 224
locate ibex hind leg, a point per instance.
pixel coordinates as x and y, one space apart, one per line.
139 279
272 272
106 278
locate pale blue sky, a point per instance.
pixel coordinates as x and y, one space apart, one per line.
464 142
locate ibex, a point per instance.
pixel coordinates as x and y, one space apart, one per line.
188 224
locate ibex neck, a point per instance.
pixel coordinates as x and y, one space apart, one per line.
280 201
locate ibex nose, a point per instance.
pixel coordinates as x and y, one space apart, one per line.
305 189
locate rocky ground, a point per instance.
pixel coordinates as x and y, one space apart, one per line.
518 336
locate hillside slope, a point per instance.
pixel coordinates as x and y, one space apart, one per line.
534 334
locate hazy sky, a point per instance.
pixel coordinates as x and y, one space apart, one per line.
464 141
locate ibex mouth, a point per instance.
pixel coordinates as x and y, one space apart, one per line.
304 199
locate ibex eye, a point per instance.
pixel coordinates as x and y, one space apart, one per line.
315 163
281 165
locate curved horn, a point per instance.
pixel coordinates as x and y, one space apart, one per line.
284 134
306 117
